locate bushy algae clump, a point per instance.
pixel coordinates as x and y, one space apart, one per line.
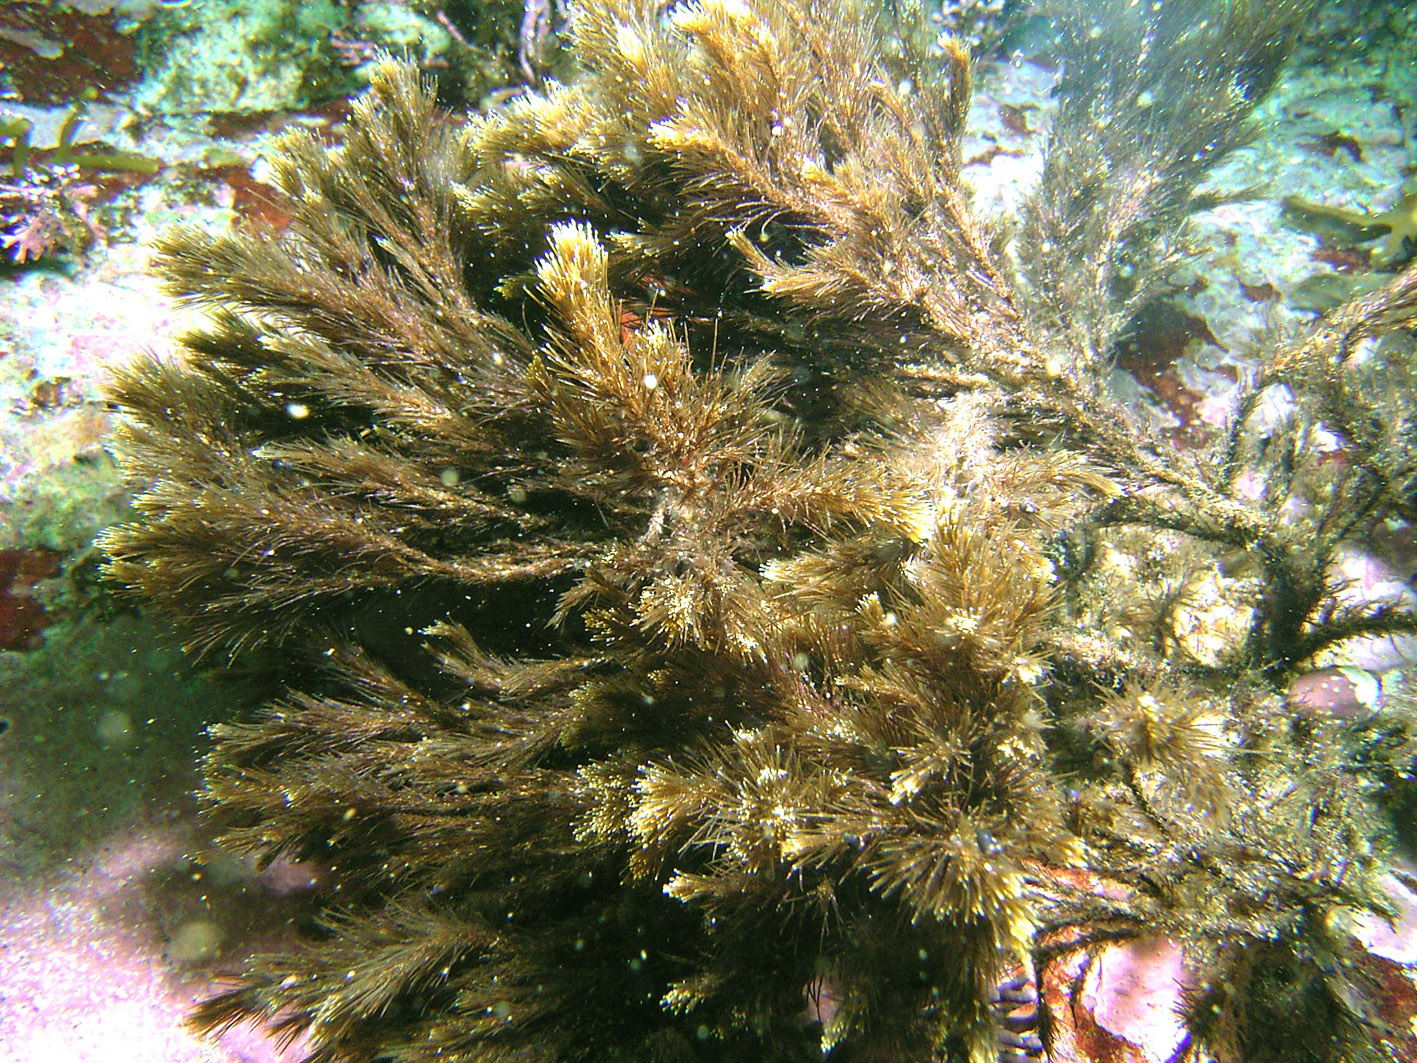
717 609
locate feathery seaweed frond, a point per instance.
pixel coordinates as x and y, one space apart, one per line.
1152 98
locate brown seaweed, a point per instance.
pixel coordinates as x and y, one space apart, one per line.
810 637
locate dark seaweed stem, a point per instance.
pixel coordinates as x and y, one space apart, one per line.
1290 599
720 610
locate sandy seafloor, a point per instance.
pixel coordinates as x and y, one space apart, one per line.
115 914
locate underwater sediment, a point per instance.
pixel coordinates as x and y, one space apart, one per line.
715 607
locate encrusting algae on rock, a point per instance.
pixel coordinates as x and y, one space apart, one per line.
751 508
